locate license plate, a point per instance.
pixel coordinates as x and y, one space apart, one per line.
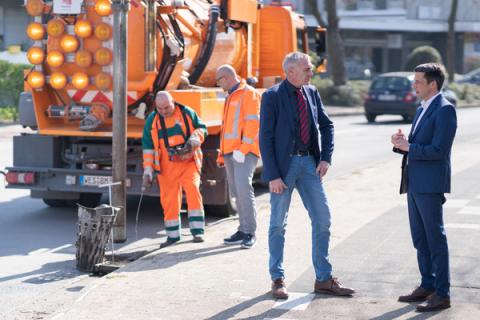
94 180
387 97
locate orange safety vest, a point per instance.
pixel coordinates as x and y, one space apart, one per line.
160 153
241 121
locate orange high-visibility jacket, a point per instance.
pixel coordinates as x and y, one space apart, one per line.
241 122
154 151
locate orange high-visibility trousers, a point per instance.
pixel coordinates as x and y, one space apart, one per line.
181 176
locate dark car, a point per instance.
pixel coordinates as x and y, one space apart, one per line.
392 93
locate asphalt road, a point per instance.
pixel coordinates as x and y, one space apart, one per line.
37 266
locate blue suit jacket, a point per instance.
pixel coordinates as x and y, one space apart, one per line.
429 169
277 130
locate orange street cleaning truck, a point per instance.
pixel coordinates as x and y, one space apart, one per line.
172 45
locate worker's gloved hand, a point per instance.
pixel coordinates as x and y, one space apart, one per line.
238 156
147 177
194 141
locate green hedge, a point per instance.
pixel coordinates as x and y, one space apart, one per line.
350 94
11 82
420 55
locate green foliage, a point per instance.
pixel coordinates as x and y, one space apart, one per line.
350 94
423 54
8 114
11 82
466 91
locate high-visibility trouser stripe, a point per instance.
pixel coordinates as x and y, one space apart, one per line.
172 229
196 224
195 213
247 140
252 117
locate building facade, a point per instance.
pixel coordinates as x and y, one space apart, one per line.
379 34
13 21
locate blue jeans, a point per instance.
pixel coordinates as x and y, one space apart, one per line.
301 175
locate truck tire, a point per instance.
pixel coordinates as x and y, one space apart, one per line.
226 210
370 117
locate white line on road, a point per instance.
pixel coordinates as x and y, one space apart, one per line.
463 226
471 210
60 248
38 251
455 203
296 301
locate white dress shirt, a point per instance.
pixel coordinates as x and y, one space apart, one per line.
425 105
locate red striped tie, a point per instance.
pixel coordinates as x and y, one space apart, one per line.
302 114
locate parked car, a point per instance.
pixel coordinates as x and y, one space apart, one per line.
472 77
392 93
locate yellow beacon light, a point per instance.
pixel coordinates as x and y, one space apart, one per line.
34 7
35 31
35 55
103 56
103 31
103 7
103 81
83 58
36 79
69 43
55 58
55 28
83 28
58 80
80 80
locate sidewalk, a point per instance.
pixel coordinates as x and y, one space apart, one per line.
370 247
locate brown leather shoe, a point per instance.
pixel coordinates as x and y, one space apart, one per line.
279 290
333 287
434 303
417 295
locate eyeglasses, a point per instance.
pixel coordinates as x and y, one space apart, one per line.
220 78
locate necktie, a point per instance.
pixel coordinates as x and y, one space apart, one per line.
302 115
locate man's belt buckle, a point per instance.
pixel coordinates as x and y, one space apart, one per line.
303 153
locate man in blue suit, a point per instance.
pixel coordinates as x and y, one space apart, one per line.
425 178
296 144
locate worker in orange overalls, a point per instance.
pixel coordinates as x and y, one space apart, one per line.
171 143
239 150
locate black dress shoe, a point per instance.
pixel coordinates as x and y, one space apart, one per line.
167 243
417 295
434 303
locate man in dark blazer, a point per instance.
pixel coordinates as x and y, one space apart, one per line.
296 144
425 178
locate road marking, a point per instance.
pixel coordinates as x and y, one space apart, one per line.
463 226
296 301
60 248
455 203
38 251
471 210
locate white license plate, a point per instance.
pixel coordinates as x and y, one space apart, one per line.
94 180
387 97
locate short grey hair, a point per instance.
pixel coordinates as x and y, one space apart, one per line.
293 58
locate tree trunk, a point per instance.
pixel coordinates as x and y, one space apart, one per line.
451 47
336 50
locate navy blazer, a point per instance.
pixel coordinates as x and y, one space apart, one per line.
429 168
277 130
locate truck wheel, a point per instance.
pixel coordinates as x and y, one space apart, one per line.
55 203
226 210
370 117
